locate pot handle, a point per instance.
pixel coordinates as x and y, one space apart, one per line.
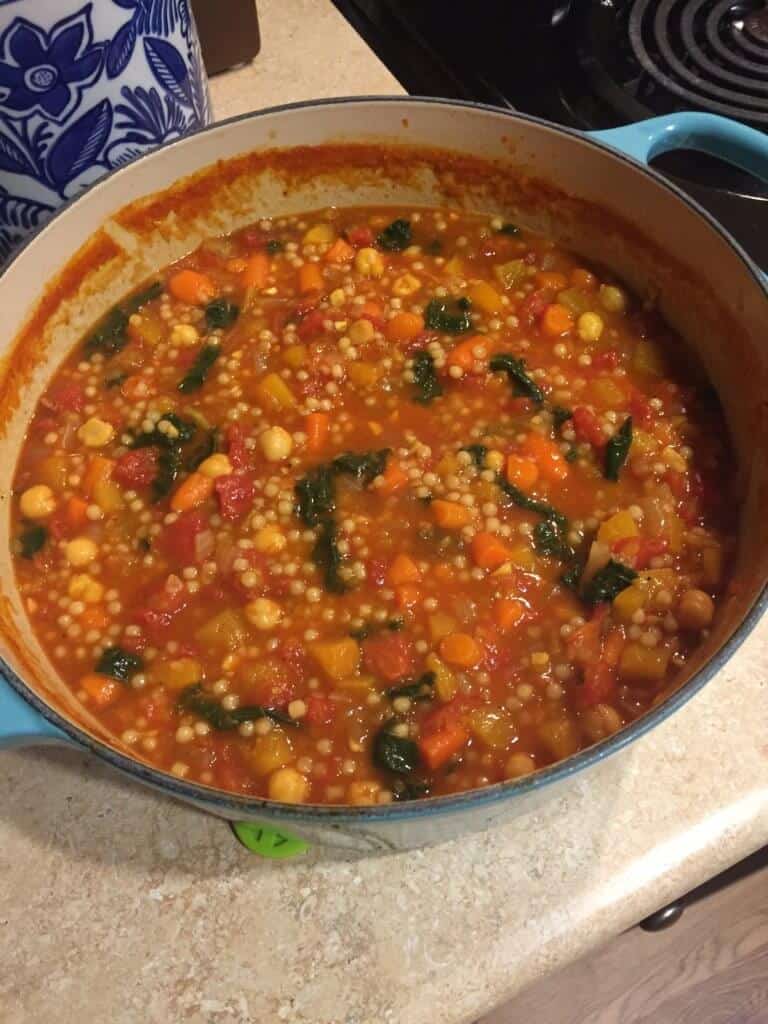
719 136
21 725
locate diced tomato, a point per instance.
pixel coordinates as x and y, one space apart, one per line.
231 771
180 541
235 494
586 644
320 710
599 684
311 324
137 468
638 551
237 451
360 236
608 359
65 396
677 482
377 571
587 427
42 425
389 655
532 307
639 408
156 708
295 658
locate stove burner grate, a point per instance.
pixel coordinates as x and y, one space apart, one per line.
711 54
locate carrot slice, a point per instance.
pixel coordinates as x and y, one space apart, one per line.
439 747
557 320
460 649
394 477
547 456
317 426
196 489
340 252
101 689
256 273
192 287
507 612
450 515
310 278
403 570
404 327
489 551
469 352
522 472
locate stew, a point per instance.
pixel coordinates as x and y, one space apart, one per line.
373 504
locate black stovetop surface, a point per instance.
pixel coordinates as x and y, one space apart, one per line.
594 64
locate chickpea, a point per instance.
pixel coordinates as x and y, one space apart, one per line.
214 466
85 588
184 334
519 764
269 539
320 234
288 786
590 326
405 285
81 551
369 263
695 610
263 613
361 332
37 502
613 298
363 793
95 433
600 721
494 460
276 443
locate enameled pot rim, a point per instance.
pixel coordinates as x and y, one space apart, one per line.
232 806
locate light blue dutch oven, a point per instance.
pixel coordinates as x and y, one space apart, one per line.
594 193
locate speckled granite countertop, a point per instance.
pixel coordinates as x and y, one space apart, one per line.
119 906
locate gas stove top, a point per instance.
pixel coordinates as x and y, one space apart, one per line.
594 64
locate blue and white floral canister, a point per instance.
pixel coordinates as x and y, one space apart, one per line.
84 88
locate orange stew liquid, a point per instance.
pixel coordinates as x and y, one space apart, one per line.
372 504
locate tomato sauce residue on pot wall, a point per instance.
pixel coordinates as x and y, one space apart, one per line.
372 504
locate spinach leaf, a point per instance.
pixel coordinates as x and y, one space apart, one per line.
396 236
32 540
509 229
422 688
409 789
315 498
449 316
110 334
394 753
433 248
274 245
549 539
478 453
608 582
198 371
119 664
617 450
326 556
571 455
116 381
183 431
363 466
572 575
561 415
207 446
394 625
194 699
514 368
221 313
523 500
425 378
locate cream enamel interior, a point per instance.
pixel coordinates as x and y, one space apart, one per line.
663 249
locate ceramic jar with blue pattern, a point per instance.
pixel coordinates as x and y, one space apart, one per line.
86 87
